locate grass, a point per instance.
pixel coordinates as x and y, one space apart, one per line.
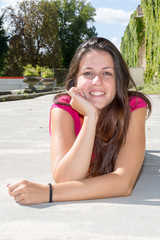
150 88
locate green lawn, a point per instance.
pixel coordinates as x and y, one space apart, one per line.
150 88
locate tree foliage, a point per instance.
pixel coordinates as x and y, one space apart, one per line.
74 18
46 33
33 36
3 46
151 10
132 40
145 28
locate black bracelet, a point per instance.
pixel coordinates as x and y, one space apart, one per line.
50 192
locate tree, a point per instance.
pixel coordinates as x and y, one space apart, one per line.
33 32
74 16
47 32
3 46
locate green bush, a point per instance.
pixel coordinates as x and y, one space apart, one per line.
29 70
46 72
150 88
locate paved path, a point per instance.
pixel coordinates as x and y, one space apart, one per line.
25 154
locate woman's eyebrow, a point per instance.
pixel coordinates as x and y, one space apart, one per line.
102 68
87 68
108 67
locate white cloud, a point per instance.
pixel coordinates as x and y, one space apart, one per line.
110 15
116 42
5 3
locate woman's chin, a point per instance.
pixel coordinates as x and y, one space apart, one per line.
98 106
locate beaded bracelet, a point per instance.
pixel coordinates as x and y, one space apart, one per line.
50 192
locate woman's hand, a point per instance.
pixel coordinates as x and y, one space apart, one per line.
27 193
80 103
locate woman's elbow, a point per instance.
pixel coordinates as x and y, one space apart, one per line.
126 189
59 178
127 192
56 179
123 186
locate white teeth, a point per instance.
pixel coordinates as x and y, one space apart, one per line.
97 93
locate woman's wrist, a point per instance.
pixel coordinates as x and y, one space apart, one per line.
93 116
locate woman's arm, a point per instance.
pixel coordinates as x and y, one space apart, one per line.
118 183
71 156
122 180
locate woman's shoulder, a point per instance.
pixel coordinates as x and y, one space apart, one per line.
136 102
65 98
62 99
63 102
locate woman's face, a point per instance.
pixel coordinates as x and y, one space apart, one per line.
96 78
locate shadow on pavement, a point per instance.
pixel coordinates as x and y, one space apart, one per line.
146 191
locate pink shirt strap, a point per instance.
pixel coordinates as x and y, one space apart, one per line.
136 102
75 115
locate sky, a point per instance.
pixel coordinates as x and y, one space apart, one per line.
112 16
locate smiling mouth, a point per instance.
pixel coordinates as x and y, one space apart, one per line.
97 93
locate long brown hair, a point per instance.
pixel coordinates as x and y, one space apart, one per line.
114 119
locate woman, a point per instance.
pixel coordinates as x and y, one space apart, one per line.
98 151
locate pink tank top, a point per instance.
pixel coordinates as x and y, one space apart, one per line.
75 115
134 102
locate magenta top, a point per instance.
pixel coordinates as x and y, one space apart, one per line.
134 102
75 115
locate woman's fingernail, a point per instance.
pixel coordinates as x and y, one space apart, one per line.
8 185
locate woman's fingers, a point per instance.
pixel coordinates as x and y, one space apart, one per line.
77 96
12 188
75 92
81 93
80 103
19 197
17 191
26 192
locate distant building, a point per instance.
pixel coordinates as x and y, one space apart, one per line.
139 12
142 48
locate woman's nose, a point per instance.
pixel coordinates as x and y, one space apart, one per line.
97 80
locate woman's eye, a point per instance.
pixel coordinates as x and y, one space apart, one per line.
87 74
107 74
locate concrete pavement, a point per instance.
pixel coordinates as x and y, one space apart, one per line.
25 154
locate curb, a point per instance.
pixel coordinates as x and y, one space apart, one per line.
14 97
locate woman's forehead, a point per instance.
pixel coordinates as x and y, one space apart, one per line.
97 58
